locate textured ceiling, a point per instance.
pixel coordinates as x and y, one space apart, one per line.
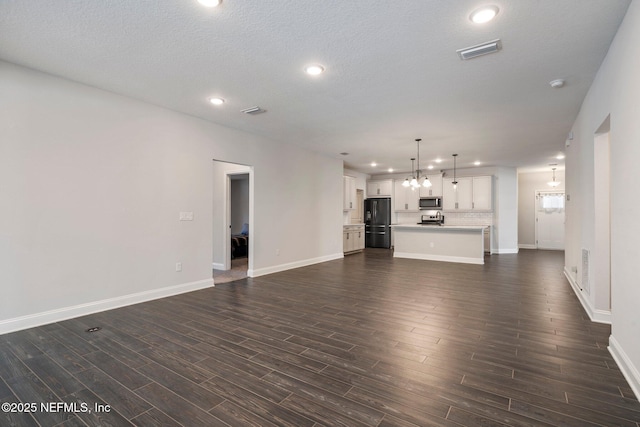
392 72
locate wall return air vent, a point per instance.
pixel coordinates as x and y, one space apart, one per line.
479 49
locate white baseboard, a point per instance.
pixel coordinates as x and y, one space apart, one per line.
296 264
625 364
218 266
506 251
599 316
465 260
51 316
527 246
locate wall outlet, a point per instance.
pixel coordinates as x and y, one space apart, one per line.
178 266
186 216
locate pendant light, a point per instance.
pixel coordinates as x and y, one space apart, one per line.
455 182
553 183
406 182
417 181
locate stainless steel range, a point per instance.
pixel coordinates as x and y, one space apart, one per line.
433 217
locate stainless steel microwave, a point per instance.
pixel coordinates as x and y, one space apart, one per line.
430 202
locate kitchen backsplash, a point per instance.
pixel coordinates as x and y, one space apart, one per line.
451 218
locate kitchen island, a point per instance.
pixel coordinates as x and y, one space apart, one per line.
451 243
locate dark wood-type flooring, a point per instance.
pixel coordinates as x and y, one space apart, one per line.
365 341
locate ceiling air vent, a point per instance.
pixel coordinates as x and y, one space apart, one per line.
480 49
253 110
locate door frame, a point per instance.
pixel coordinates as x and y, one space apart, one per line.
225 199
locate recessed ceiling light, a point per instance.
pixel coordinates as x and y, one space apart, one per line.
560 156
390 170
314 69
484 14
476 163
374 164
430 167
209 3
216 101
557 83
438 160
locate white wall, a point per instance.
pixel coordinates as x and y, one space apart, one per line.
615 92
528 184
506 224
92 184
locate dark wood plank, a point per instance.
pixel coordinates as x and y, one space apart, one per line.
113 393
256 404
180 366
52 374
99 413
10 365
189 390
16 418
177 407
235 415
117 370
29 389
155 418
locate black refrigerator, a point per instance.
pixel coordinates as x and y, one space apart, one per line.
377 223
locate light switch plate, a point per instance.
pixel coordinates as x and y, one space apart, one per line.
186 216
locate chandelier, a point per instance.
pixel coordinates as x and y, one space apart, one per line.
416 180
553 183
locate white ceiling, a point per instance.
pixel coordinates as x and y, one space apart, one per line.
392 72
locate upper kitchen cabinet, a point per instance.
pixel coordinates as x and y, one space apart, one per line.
405 198
349 193
382 188
472 194
482 193
436 186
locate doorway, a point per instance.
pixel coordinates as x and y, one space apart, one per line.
550 220
232 222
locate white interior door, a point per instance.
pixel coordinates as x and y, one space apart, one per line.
550 220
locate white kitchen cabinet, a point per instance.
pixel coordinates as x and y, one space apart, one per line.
382 188
448 195
436 186
405 198
482 193
349 193
353 238
472 194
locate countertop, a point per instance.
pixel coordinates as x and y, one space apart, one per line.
439 227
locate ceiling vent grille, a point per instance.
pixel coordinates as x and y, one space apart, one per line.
480 49
253 110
